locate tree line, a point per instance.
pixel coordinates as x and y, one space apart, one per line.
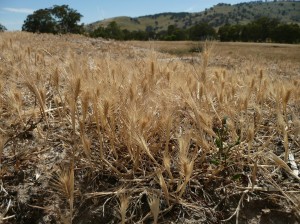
200 31
261 30
62 19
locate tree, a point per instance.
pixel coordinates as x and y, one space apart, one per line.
67 19
224 32
2 28
263 29
40 21
150 32
99 32
286 33
175 33
58 19
114 31
202 31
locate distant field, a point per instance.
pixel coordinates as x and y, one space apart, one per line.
272 51
98 131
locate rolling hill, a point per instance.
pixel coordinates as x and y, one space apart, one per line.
218 15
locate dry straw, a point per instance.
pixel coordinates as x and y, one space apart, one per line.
190 131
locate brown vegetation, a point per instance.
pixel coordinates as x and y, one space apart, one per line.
94 131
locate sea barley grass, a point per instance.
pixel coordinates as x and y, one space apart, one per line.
182 136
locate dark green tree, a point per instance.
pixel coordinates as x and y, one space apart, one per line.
67 19
139 35
2 28
100 32
231 32
224 32
261 30
286 33
127 34
175 33
113 30
58 19
150 32
202 31
41 21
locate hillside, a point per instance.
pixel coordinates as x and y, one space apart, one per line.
216 16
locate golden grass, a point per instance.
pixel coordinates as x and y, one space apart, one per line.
281 53
183 134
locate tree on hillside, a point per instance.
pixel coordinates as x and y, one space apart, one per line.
58 19
2 28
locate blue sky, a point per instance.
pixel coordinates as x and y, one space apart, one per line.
14 12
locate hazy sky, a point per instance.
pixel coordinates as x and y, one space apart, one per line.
14 12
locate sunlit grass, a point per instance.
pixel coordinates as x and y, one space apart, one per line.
182 134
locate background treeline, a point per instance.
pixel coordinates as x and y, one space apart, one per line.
200 31
261 30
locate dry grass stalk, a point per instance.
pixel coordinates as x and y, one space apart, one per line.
124 203
55 79
86 146
250 139
254 175
296 123
143 144
167 164
85 100
185 162
15 101
282 164
153 201
285 99
286 145
33 88
2 142
64 184
283 129
163 185
96 119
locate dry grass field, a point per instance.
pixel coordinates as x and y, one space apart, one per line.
95 131
271 51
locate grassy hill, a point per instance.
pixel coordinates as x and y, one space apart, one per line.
216 16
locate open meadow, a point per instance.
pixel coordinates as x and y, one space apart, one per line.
98 131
